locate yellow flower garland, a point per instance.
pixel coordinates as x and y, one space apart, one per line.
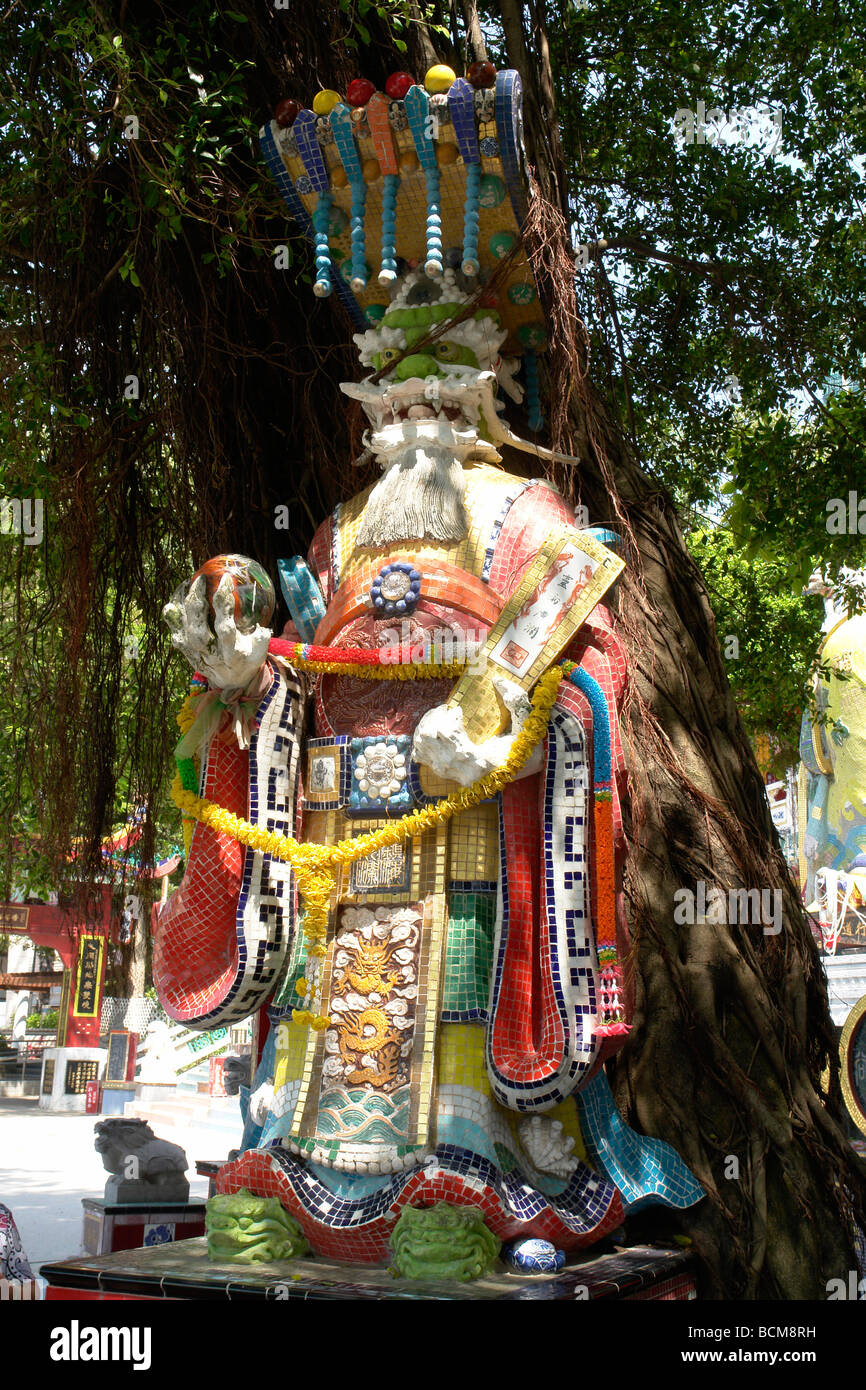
316 865
397 671
185 719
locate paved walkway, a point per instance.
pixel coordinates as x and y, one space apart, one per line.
48 1163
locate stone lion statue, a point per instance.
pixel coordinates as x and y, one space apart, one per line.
141 1165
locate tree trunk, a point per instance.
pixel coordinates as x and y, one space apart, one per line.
732 1030
138 961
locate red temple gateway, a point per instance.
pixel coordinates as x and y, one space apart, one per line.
79 934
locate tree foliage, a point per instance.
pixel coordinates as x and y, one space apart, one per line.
769 636
146 347
145 264
797 487
726 263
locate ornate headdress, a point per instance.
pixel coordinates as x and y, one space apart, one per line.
419 178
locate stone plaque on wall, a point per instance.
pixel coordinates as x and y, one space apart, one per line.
385 870
78 1073
121 1053
48 1077
14 917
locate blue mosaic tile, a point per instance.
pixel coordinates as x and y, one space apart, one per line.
304 131
581 1207
509 97
645 1170
299 214
335 549
461 103
341 126
417 104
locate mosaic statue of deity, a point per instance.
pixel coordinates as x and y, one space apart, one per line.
406 825
832 777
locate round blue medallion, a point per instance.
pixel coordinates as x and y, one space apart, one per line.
396 589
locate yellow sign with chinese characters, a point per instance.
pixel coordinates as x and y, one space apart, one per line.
86 1002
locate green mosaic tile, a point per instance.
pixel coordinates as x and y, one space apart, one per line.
507 1160
287 996
469 952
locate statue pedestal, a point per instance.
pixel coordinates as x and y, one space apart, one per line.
183 1271
112 1226
154 1090
116 1095
65 1074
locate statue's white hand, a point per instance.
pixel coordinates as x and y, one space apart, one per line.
229 658
442 743
261 1102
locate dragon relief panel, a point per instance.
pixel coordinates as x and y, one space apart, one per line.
374 992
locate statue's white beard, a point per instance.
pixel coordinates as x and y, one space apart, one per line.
419 497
